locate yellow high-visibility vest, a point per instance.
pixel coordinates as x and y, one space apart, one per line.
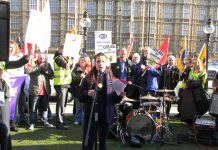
2 65
62 76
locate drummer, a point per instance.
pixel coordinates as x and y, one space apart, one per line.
147 76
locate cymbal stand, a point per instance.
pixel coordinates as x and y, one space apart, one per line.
119 131
164 124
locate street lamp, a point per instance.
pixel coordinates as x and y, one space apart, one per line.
85 24
208 30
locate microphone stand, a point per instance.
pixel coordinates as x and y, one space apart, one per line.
164 119
94 101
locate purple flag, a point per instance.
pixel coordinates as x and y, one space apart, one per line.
16 83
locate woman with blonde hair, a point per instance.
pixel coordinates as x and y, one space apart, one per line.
81 69
193 93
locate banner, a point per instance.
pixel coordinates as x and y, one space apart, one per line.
182 55
110 52
154 57
16 84
202 57
164 49
102 38
45 37
72 45
39 28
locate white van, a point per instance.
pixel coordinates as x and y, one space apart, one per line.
211 73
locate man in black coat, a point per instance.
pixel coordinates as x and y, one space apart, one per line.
124 70
169 78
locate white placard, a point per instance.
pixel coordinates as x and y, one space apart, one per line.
33 31
102 38
72 45
2 98
111 52
154 57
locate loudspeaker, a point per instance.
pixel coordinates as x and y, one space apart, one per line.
4 30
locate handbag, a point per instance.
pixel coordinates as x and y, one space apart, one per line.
213 109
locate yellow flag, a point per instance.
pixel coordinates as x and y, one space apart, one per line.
182 55
73 31
202 57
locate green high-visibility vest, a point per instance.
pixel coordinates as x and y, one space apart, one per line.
62 76
2 65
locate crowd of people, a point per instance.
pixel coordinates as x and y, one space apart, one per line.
94 98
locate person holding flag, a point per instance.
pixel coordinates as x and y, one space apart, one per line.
147 75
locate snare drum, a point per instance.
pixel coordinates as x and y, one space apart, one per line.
140 123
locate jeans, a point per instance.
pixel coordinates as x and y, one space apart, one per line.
79 112
34 102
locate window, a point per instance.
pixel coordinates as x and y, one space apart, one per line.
55 24
136 9
93 25
71 6
70 23
200 31
136 27
125 9
152 10
33 4
108 8
215 47
199 46
90 42
15 5
108 25
153 28
202 13
186 12
167 29
54 6
90 6
168 11
185 29
55 41
15 22
125 27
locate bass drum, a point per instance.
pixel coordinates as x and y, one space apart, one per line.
140 123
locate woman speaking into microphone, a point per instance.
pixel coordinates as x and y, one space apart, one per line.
99 99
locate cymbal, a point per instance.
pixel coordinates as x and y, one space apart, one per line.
165 98
148 97
126 99
164 90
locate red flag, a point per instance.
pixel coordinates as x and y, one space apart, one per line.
129 48
164 49
29 47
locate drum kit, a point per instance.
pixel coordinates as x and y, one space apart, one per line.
142 121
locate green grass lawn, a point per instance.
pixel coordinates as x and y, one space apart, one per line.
51 139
